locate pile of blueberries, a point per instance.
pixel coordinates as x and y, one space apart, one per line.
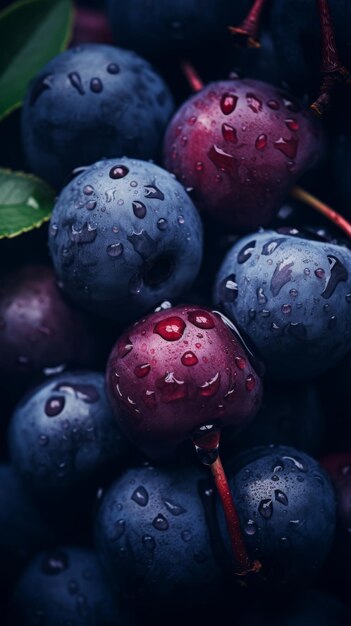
177 288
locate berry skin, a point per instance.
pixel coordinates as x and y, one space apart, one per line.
154 27
292 297
152 535
62 434
124 236
286 506
241 145
39 329
338 467
91 102
65 586
177 370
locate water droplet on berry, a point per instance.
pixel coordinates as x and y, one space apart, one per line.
76 82
114 249
174 508
136 284
53 230
119 528
189 358
332 322
273 104
139 209
201 319
54 563
228 103
54 406
142 370
171 328
253 103
162 224
88 190
113 68
240 362
261 298
229 133
250 383
250 528
199 166
211 387
90 205
287 146
261 142
281 497
118 171
149 543
186 535
294 293
150 399
286 309
160 522
140 496
43 440
96 85
265 508
124 349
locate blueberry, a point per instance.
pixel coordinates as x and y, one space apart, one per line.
292 296
124 236
63 433
152 535
90 102
286 506
65 586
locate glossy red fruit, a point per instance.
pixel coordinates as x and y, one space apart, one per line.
177 370
241 144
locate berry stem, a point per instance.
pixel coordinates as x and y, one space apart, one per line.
304 196
206 442
332 70
247 32
193 78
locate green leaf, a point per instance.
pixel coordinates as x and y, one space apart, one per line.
25 202
31 33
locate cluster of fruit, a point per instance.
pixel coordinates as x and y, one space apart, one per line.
184 294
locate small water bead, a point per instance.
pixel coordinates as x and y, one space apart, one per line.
149 543
261 298
292 124
133 183
139 209
199 166
294 293
281 497
228 103
125 348
254 103
96 85
143 370
54 563
273 104
348 298
76 82
265 313
332 322
90 205
118 171
186 535
120 202
174 508
192 120
201 319
229 133
307 271
119 527
181 219
88 190
189 358
162 224
53 230
140 496
252 314
160 522
291 165
250 383
287 146
286 309
184 140
114 250
43 440
261 142
113 68
55 405
211 387
265 508
171 328
319 272
240 362
250 528
150 399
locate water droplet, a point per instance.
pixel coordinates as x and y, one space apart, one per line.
54 563
292 124
296 461
287 146
211 387
84 235
229 133
149 543
338 273
162 224
119 528
201 319
152 192
286 309
224 161
171 328
253 103
43 84
294 293
96 85
150 399
136 284
125 348
250 383
250 528
113 68
142 370
43 440
171 388
281 497
189 358
240 362
139 209
140 496
261 298
252 314
273 104
228 103
199 166
174 508
118 171
54 406
265 508
90 205
53 230
114 249
88 190
186 535
319 272
261 142
332 322
298 330
76 82
160 522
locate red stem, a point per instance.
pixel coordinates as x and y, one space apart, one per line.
249 28
192 76
327 211
331 68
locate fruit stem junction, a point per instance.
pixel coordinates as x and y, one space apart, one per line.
247 32
206 441
332 70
